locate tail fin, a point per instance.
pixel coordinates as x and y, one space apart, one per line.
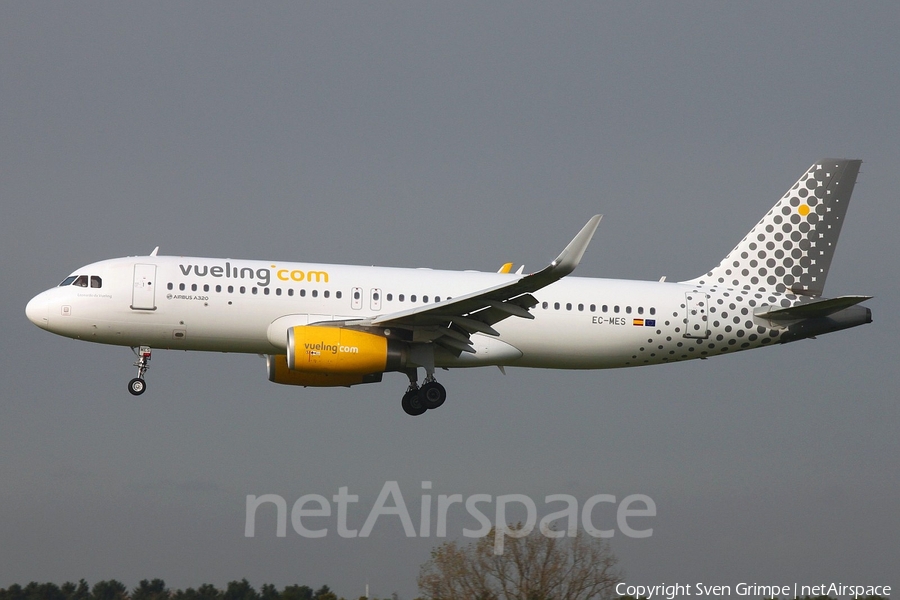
791 248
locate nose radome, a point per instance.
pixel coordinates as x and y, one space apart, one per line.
38 311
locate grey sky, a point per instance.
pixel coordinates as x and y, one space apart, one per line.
448 135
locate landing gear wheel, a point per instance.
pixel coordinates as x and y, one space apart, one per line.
432 395
137 386
412 404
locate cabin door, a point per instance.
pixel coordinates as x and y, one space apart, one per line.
143 297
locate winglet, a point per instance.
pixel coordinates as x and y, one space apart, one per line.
155 250
506 268
569 258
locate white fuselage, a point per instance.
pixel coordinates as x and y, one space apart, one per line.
227 305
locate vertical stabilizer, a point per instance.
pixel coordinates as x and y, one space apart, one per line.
791 248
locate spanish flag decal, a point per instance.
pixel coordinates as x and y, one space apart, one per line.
638 322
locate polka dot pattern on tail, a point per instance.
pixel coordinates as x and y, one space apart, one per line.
791 248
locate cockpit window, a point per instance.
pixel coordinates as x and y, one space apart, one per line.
82 281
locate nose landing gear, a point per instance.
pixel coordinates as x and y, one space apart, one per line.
137 386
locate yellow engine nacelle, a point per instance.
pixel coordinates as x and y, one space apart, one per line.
280 373
336 350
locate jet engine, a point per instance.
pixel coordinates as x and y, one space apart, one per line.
334 356
280 373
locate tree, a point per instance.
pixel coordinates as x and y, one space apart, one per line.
240 590
82 591
533 567
324 593
43 591
109 590
13 592
269 592
208 591
297 592
150 590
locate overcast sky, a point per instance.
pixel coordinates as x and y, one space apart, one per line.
448 135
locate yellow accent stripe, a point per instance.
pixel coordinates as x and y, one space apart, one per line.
506 268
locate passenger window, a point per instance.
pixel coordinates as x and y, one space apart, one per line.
640 310
291 292
593 308
337 294
581 307
424 298
390 297
266 291
181 286
170 286
326 293
400 298
193 287
205 287
616 309
277 291
315 293
568 306
437 298
218 288
545 305
556 305
230 289
628 309
303 293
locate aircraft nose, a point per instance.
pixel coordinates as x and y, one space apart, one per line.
38 311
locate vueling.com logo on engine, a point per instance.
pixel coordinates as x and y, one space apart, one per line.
262 276
317 349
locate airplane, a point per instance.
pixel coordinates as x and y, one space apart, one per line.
321 325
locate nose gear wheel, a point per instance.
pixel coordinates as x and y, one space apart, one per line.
138 386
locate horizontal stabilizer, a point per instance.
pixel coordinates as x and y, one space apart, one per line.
811 310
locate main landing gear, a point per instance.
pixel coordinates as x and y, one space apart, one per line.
417 399
137 386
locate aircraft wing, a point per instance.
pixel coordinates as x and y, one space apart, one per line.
451 322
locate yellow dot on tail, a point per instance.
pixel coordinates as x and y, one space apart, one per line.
803 209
